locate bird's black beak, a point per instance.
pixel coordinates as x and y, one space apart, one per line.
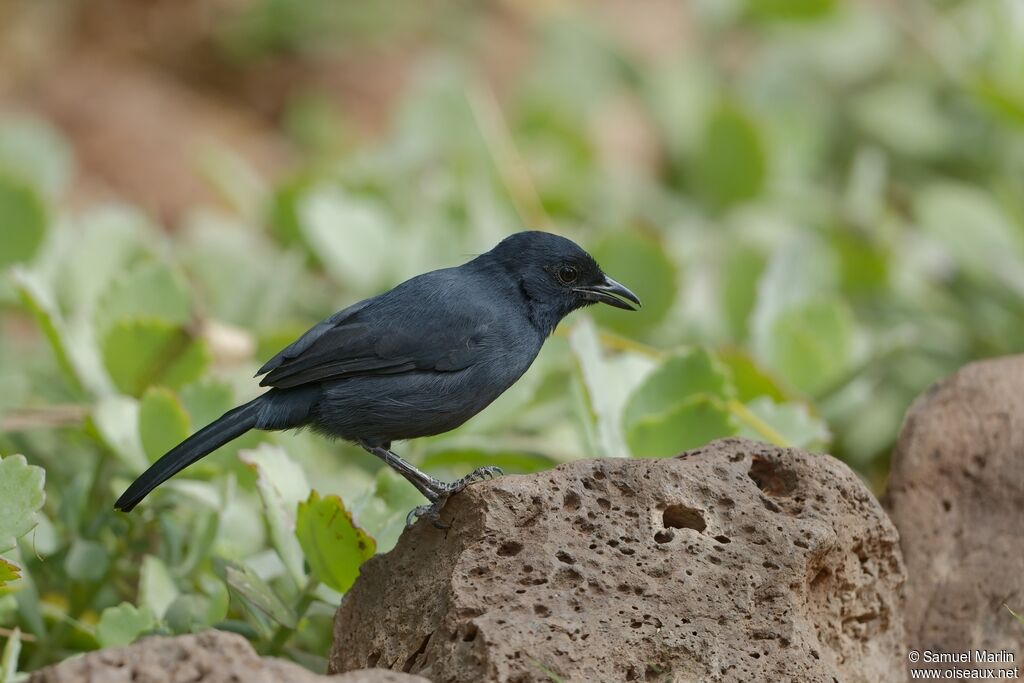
612 293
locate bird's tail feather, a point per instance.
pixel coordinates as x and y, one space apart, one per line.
228 427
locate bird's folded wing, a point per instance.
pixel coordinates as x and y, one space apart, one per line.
372 342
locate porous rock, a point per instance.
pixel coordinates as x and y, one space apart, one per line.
956 494
207 657
736 562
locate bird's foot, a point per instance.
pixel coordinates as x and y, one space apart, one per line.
479 474
433 511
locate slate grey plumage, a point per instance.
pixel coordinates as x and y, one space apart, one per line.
417 360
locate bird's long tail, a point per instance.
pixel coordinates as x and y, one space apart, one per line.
228 427
276 409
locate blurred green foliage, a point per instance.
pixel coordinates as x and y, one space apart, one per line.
819 203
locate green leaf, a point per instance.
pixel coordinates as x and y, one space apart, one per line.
122 625
86 560
677 380
748 378
206 400
23 221
10 655
281 484
8 572
35 152
811 346
793 421
602 406
190 613
149 290
157 588
992 245
248 585
467 459
93 250
690 424
334 546
333 221
740 273
729 167
21 497
142 352
641 264
789 10
163 423
115 420
906 117
38 299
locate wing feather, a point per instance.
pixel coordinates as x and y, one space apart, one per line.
410 328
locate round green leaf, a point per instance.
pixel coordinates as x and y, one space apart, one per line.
35 152
729 167
688 425
749 379
163 422
142 352
678 380
811 346
791 420
122 625
86 560
157 588
22 221
206 400
641 264
150 290
334 546
21 497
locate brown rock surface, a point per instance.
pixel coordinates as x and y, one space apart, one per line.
956 493
736 562
208 657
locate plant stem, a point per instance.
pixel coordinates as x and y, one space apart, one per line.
306 598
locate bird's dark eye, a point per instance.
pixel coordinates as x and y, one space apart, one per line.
567 275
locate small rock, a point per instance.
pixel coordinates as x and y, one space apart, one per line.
208 657
731 563
956 493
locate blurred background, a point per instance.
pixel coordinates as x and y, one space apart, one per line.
819 202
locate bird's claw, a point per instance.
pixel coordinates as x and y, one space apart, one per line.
479 474
433 511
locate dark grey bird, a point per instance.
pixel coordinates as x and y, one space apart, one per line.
415 361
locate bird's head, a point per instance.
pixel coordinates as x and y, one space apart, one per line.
557 275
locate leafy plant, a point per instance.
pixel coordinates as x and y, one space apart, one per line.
820 216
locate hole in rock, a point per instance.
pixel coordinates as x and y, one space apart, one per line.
682 517
664 536
470 634
509 548
371 661
772 477
821 577
723 539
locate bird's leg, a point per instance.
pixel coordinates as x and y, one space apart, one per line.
433 489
